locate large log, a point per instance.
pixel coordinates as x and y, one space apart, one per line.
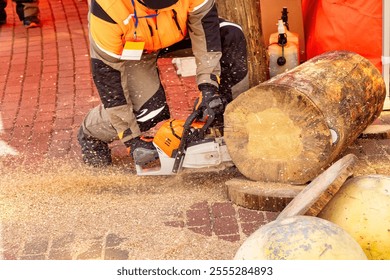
292 127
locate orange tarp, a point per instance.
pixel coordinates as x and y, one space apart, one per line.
354 25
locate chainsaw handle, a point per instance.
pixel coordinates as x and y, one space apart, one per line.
190 119
194 116
186 131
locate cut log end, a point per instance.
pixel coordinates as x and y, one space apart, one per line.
276 134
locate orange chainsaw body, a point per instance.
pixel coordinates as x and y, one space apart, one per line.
169 135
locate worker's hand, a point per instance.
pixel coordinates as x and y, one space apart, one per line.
209 101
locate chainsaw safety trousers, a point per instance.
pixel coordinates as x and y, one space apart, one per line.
27 8
133 99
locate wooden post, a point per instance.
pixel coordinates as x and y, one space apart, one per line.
246 13
290 128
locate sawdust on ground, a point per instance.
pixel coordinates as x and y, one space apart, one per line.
54 198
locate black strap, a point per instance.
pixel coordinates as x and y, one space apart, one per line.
98 11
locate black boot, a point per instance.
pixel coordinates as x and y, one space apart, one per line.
32 21
94 151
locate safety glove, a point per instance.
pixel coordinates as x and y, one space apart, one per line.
209 102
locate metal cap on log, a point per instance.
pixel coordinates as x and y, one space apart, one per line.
293 126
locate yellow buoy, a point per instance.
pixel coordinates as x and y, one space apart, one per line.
362 208
300 238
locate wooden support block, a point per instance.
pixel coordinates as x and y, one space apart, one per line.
257 195
313 198
379 131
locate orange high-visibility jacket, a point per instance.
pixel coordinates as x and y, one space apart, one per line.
113 22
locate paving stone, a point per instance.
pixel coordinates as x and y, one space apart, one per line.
36 247
8 251
93 252
175 224
33 257
165 61
222 209
116 254
249 228
200 205
231 238
271 216
247 215
225 226
113 240
189 82
9 255
204 230
198 217
60 254
63 241
169 76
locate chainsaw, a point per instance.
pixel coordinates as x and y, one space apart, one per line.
189 144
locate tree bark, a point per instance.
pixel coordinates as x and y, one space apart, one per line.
292 127
247 14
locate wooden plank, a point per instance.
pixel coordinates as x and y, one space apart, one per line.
265 196
313 198
379 131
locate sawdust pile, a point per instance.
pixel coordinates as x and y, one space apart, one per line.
54 198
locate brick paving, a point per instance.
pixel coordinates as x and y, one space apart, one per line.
225 221
46 86
46 90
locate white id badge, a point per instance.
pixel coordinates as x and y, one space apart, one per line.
133 50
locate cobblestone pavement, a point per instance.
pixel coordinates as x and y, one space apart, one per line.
45 91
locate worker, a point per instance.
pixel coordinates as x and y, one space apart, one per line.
27 11
126 39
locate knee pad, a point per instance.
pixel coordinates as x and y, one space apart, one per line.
153 111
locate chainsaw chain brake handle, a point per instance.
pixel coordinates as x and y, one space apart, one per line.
187 131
